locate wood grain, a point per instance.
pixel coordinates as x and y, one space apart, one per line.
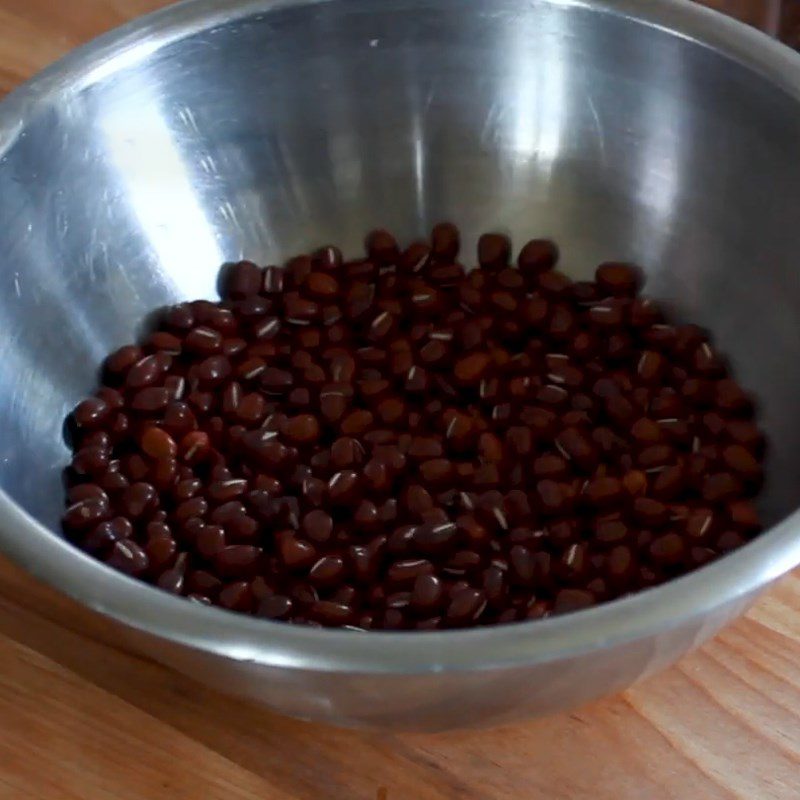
81 720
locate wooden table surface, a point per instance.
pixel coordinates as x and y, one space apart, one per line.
80 720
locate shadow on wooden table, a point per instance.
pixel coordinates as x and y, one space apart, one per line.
682 736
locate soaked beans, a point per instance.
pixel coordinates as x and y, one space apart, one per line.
395 442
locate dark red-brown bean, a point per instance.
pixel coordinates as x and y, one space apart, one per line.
396 442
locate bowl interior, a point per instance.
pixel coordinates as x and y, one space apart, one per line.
125 187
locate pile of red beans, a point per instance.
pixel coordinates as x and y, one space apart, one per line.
396 443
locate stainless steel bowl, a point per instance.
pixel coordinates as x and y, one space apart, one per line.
656 132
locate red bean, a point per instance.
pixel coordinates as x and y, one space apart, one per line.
236 596
603 492
538 255
356 422
635 483
161 551
427 594
568 600
318 526
743 514
729 540
126 556
120 361
331 613
650 512
445 242
327 258
611 531
302 429
395 442
173 580
742 462
434 538
273 280
143 373
242 280
158 444
669 483
472 368
210 541
90 461
91 414
700 524
667 549
203 341
618 279
494 250
138 499
328 571
551 466
86 491
235 561
151 400
465 607
275 607
577 447
416 500
620 564
655 456
382 247
343 487
366 516
85 515
720 486
607 315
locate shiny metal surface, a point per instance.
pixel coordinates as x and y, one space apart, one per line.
656 132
